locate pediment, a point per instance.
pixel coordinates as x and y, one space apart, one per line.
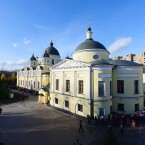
70 64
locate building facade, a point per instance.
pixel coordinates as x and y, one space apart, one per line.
90 83
133 57
36 77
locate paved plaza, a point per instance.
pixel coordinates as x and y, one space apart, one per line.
33 123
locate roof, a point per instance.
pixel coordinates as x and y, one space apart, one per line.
90 44
47 88
52 50
45 54
33 57
123 63
46 73
100 62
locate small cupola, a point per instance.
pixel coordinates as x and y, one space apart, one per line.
33 57
33 61
45 54
89 33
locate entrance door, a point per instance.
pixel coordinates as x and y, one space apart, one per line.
101 111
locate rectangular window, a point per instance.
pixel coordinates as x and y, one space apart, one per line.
34 84
136 86
120 86
52 61
67 85
120 107
56 100
57 84
101 88
80 107
81 87
110 88
66 104
38 85
136 107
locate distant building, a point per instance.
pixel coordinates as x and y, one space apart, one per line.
133 57
92 84
36 76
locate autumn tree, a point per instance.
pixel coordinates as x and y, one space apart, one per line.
13 78
3 77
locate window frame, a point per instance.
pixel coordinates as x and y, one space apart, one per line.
111 88
80 108
57 84
136 86
101 91
120 86
52 61
80 86
56 100
66 103
136 107
120 107
67 86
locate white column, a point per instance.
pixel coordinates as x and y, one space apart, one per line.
88 83
62 83
73 84
52 81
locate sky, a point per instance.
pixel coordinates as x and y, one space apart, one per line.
28 26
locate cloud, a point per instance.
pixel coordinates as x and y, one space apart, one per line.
120 44
40 27
26 41
14 65
14 45
22 62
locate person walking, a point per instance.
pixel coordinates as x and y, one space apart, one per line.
133 124
1 110
81 127
121 129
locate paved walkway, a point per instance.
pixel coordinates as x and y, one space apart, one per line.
32 123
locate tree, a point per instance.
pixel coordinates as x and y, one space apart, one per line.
13 78
3 77
4 91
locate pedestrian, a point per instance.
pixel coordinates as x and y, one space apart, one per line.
121 129
81 127
95 121
77 141
1 110
133 124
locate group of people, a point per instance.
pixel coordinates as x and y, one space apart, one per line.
133 125
116 120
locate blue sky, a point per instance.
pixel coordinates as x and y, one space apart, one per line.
28 26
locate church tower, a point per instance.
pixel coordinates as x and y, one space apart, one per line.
45 58
33 61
